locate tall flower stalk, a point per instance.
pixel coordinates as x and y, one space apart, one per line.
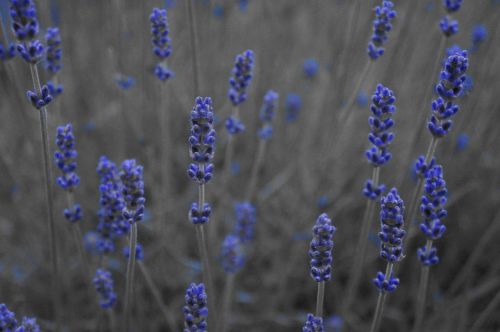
391 250
131 175
65 159
202 149
267 114
433 212
241 77
384 15
380 137
193 38
320 252
440 123
25 26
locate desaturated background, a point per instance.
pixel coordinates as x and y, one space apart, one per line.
313 165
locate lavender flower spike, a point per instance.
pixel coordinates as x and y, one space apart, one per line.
195 310
267 113
232 254
162 44
8 320
381 26
65 158
449 88
28 325
320 250
241 77
313 324
103 283
131 175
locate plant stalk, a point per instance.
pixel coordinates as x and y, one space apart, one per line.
130 276
379 310
320 297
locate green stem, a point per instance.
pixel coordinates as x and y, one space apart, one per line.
228 290
320 299
422 292
48 197
130 276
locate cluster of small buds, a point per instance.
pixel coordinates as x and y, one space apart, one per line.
8 320
103 283
234 125
41 100
24 20
202 141
28 324
381 122
55 89
267 113
199 217
433 212
447 25
139 252
7 52
111 221
391 223
320 249
54 52
162 45
293 104
65 157
195 310
385 285
421 167
372 192
241 77
245 221
313 324
131 175
450 86
232 254
478 36
73 214
381 26
311 68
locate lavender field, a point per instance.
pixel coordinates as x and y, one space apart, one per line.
249 165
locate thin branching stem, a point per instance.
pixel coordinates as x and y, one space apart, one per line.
48 196
194 46
379 310
422 292
255 170
360 252
320 298
228 156
130 276
169 318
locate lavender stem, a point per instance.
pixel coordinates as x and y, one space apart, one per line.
379 310
130 276
320 299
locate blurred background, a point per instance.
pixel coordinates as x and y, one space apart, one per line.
313 163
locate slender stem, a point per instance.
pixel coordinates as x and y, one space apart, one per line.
228 291
320 299
77 233
207 276
422 292
156 294
228 157
379 310
130 276
164 158
48 197
255 170
346 112
486 313
194 46
360 252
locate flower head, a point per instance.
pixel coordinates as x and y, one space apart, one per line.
54 52
24 19
7 52
245 221
313 324
391 227
320 249
293 104
131 176
448 26
267 114
65 157
449 87
202 140
381 122
103 283
195 310
8 321
139 252
384 14
241 77
28 325
311 67
162 44
452 5
232 254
